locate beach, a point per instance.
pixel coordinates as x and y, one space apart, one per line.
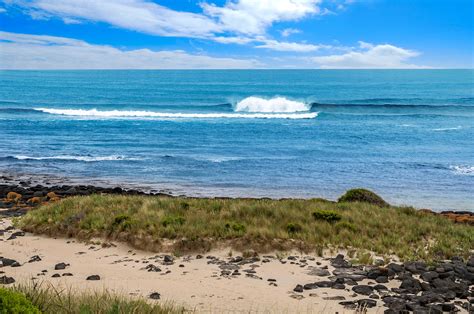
227 275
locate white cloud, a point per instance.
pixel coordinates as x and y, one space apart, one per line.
254 16
2 10
24 51
370 56
238 21
288 46
289 31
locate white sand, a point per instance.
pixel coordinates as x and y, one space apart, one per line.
197 286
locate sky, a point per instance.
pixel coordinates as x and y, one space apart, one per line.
236 34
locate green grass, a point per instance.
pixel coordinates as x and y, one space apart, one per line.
258 224
50 300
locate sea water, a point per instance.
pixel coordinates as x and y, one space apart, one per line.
406 134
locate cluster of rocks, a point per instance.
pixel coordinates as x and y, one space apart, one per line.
20 197
421 288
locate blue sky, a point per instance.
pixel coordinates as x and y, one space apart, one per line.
145 34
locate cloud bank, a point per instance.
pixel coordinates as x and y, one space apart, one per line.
24 51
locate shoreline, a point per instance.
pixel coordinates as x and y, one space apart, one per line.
29 189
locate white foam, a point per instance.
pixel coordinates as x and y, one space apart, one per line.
463 170
448 129
173 115
78 158
277 104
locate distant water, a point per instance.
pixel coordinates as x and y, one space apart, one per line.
408 135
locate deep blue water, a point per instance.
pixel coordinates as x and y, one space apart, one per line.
407 134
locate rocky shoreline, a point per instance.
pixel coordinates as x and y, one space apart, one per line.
31 193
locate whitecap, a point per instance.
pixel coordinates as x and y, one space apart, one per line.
76 158
448 129
173 115
276 104
463 170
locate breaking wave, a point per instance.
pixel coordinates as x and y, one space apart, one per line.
463 170
277 104
173 115
74 158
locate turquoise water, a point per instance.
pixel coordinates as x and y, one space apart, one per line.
407 134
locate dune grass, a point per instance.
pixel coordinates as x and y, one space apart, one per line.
52 300
149 222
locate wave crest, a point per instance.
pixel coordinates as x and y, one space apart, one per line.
74 158
173 115
277 104
463 170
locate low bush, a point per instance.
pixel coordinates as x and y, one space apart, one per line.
327 215
293 228
12 302
235 226
363 196
172 221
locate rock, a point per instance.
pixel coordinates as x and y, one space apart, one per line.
396 268
429 276
7 262
336 298
340 262
13 196
154 296
15 264
411 285
415 267
298 288
316 271
60 266
4 280
67 275
93 277
14 235
367 303
152 268
168 260
363 289
381 279
34 258
348 304
56 275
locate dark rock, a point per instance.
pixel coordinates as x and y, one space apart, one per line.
411 285
348 304
429 276
367 303
93 277
363 289
154 296
60 266
396 268
340 262
56 275
381 279
168 260
380 287
152 268
339 286
298 288
415 267
6 262
4 280
15 264
67 275
34 258
448 307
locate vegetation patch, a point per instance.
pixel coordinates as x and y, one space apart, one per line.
33 298
363 195
16 302
148 222
327 215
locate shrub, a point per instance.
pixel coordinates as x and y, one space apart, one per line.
235 226
172 221
122 222
15 302
293 227
327 215
363 195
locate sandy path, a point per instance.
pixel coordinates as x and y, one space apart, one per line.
196 284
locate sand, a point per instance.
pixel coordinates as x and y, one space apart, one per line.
193 283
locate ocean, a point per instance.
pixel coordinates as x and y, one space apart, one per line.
406 134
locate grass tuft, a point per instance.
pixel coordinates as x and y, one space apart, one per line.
363 195
327 215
